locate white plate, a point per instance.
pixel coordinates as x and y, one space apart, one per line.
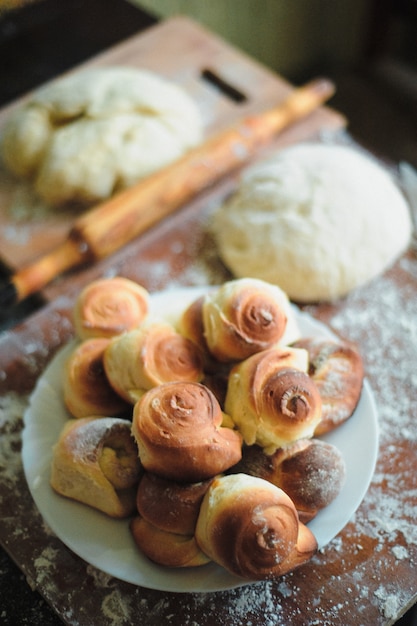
107 543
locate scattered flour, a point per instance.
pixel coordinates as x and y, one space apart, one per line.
44 562
12 407
116 608
400 552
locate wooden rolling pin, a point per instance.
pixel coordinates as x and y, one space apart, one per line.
104 229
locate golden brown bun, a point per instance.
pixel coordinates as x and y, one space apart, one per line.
310 471
251 528
169 505
217 378
216 373
271 401
243 317
338 372
166 548
95 461
109 307
87 391
149 356
178 430
191 324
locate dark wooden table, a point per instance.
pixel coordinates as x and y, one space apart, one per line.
367 573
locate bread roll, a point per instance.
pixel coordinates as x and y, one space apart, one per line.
251 528
271 400
169 505
166 548
87 391
338 373
95 461
216 373
149 356
245 316
191 324
177 427
310 471
109 307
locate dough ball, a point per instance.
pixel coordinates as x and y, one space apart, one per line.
93 132
317 220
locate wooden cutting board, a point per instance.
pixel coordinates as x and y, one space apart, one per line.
182 51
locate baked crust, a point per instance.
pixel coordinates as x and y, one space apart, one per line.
95 461
337 369
251 528
178 430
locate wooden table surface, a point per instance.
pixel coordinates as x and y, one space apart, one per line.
366 575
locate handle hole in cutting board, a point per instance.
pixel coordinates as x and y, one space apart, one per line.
228 90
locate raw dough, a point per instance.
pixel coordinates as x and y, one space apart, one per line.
317 220
84 136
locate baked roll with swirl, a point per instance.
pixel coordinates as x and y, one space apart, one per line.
177 427
110 306
87 391
337 369
311 471
245 316
190 323
271 400
169 505
251 528
166 548
95 461
216 373
149 356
